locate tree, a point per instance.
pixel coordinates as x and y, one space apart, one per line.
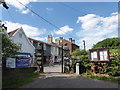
111 43
8 47
114 47
79 52
83 56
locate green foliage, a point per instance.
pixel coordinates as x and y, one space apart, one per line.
114 67
79 52
113 70
106 78
82 55
111 43
114 73
114 48
117 80
8 47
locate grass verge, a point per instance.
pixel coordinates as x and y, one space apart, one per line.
16 81
111 79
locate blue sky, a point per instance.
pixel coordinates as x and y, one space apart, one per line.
89 21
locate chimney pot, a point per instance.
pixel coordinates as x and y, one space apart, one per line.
50 39
70 39
73 41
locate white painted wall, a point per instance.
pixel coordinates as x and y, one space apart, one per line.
54 52
26 45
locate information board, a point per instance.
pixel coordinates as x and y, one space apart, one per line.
10 63
101 54
94 55
22 62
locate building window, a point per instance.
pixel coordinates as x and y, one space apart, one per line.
20 46
44 46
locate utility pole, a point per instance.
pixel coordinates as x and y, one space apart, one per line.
62 55
84 44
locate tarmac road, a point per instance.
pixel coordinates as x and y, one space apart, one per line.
53 79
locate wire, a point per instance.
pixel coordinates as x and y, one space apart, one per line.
38 15
66 5
42 18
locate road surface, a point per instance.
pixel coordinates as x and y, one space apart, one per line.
52 78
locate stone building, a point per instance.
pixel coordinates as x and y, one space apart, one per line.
46 47
70 43
55 49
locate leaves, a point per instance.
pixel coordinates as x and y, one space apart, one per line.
83 56
8 47
111 43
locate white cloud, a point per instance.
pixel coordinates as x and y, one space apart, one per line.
17 5
64 30
29 30
25 11
41 39
96 28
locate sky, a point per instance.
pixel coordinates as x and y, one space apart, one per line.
89 21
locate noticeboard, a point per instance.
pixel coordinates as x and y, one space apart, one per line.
22 62
10 63
101 54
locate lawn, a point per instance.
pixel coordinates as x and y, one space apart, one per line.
15 81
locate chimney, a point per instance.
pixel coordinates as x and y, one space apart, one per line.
70 39
50 39
73 41
61 37
57 41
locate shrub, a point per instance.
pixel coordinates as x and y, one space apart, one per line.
83 56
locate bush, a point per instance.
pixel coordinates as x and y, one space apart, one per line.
114 68
114 73
88 72
83 56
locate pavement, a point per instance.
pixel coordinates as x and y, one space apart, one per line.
53 68
53 78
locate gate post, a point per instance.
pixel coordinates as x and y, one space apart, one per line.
40 57
66 59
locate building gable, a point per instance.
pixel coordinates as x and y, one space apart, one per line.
19 37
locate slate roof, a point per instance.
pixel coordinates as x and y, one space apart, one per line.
12 32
